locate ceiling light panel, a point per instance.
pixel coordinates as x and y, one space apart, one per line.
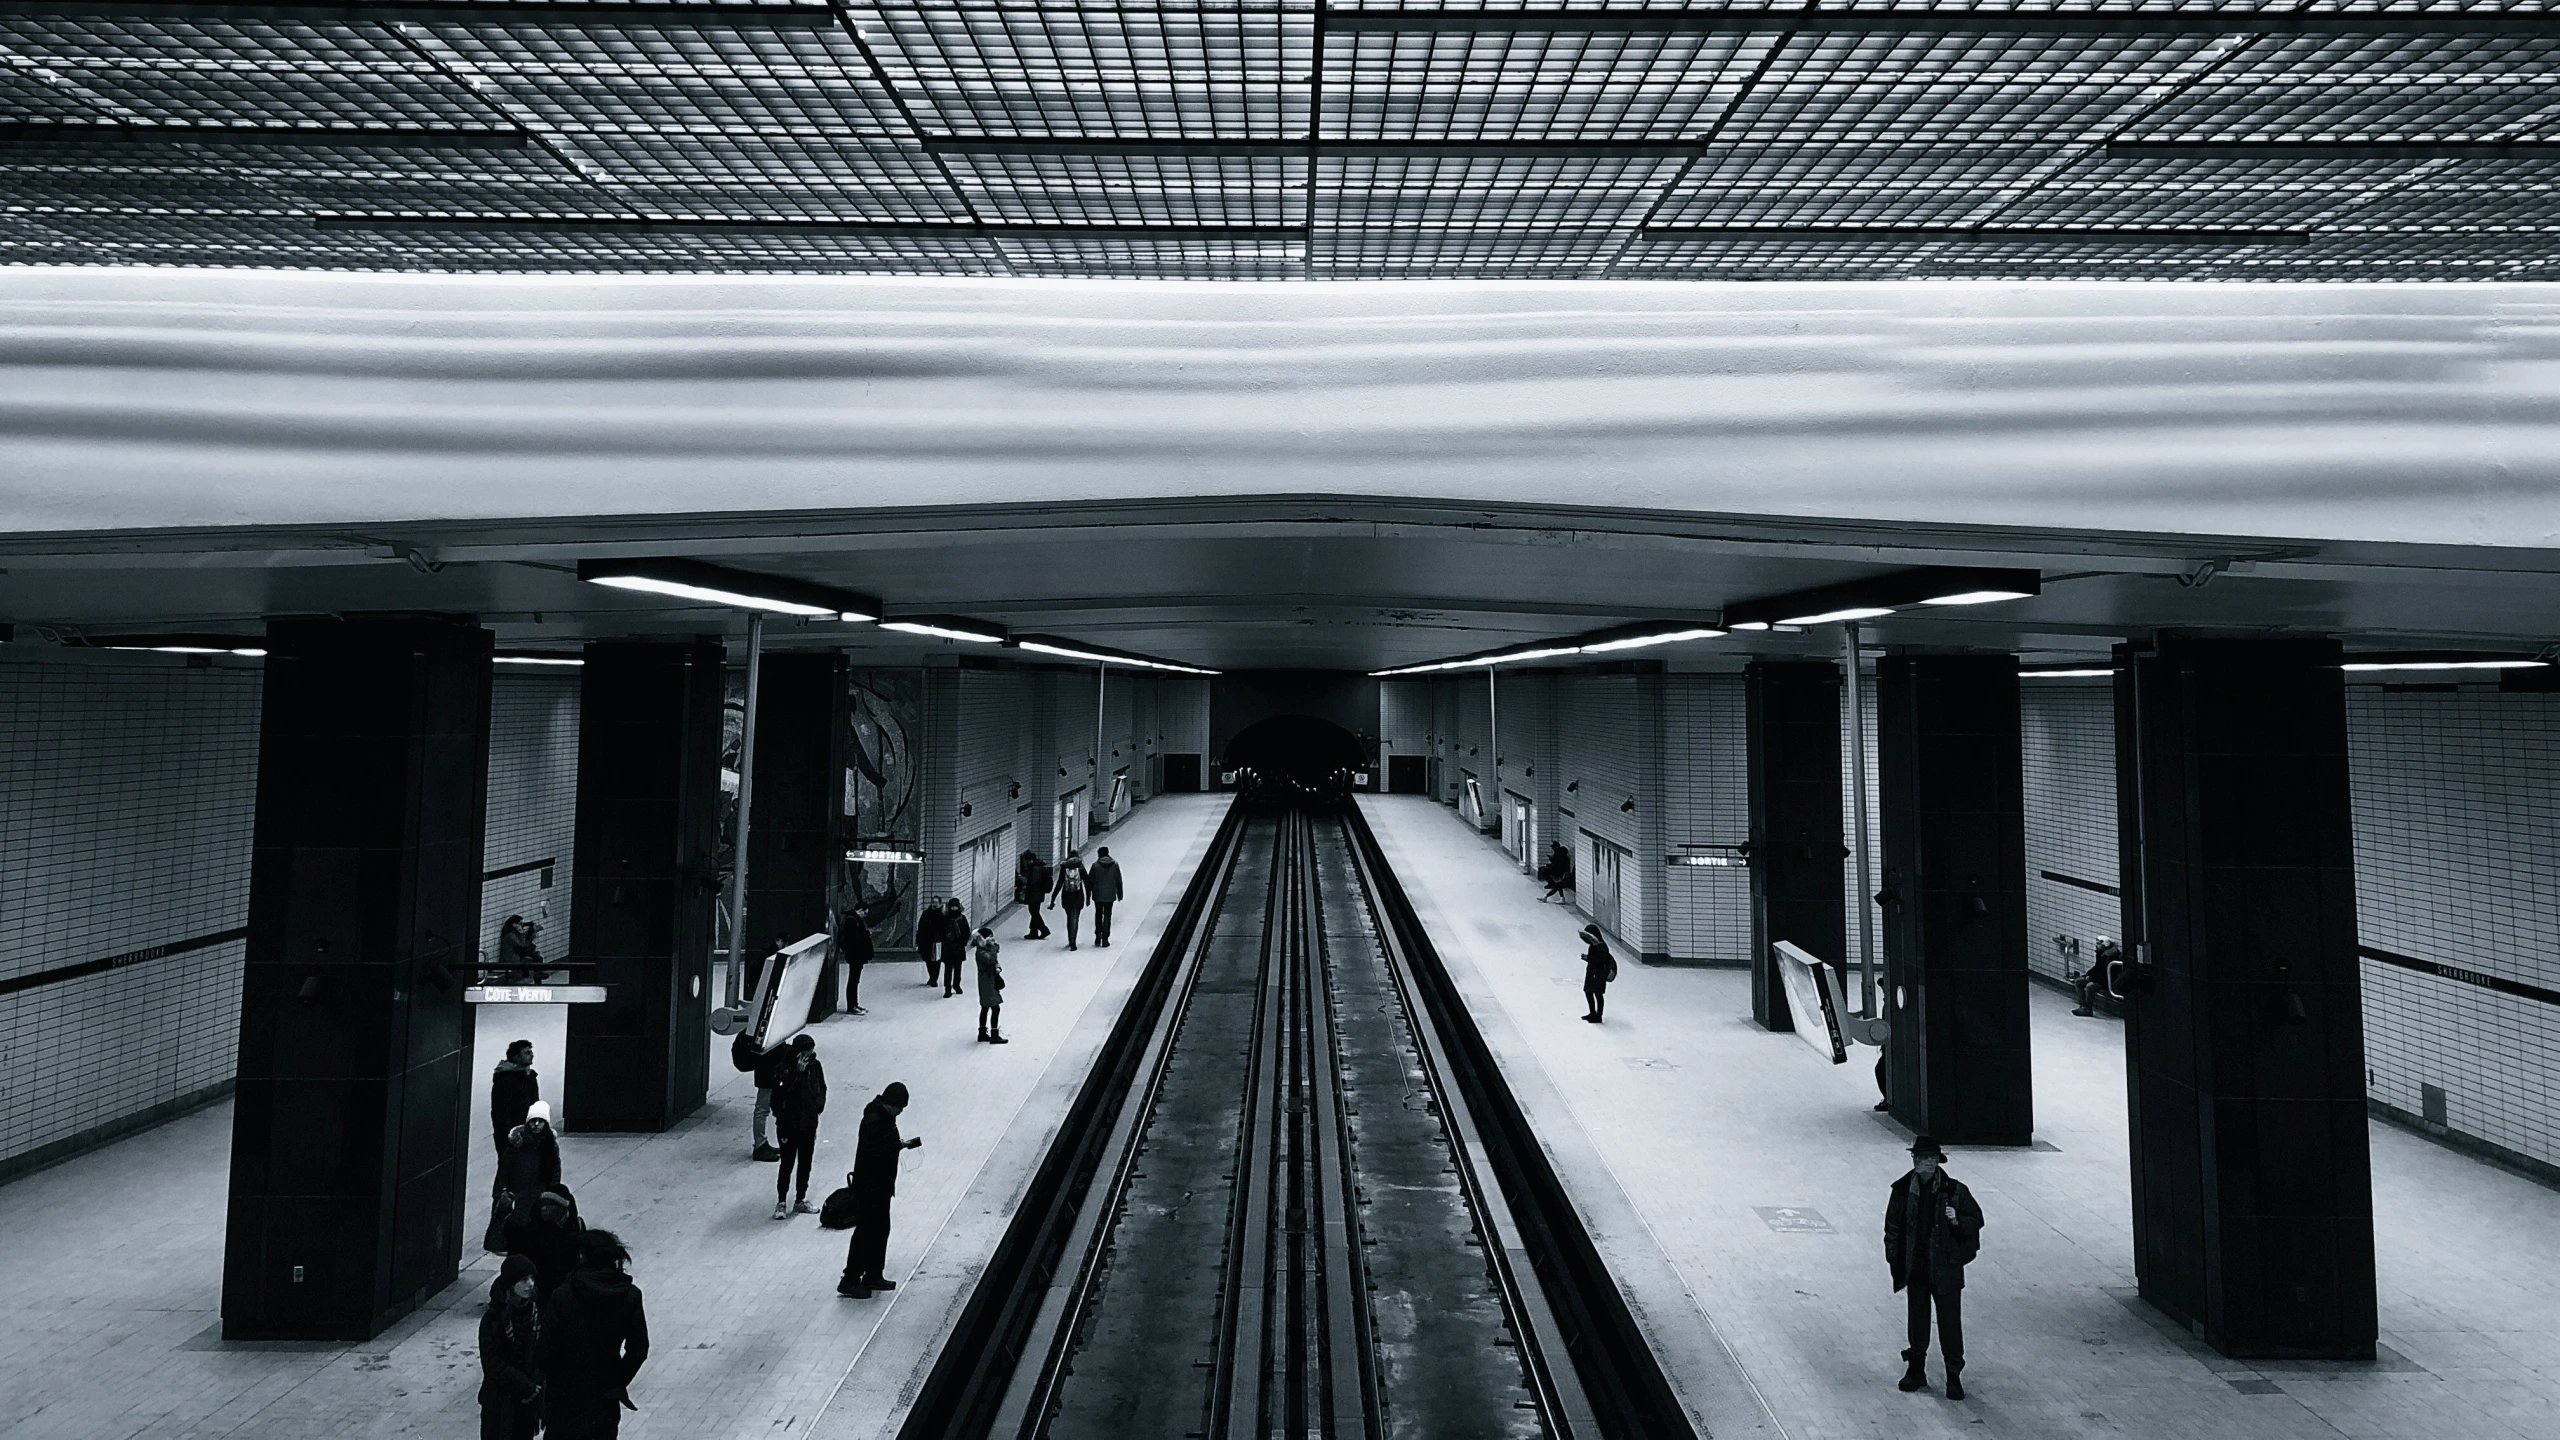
1553 86
244 71
1137 259
1171 70
2365 87
1909 182
1534 196
1133 189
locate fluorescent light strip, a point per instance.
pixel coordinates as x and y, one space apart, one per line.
708 595
1069 652
1976 597
538 660
1828 617
245 653
2445 665
942 632
2063 674
1638 642
1066 653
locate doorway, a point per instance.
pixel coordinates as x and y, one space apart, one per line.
1070 829
1181 774
1606 882
1519 830
1408 775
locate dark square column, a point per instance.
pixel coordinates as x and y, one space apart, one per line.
353 1119
2244 1030
795 842
642 902
1792 710
1955 874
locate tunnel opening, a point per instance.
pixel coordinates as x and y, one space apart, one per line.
1299 754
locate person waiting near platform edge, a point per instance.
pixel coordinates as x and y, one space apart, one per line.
530 1164
1031 881
1103 884
874 1182
990 987
513 1087
799 1098
510 1366
1070 891
548 1233
955 945
853 951
929 924
767 1066
1932 1230
595 1338
1599 967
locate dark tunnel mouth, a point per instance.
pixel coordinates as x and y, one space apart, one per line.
1307 748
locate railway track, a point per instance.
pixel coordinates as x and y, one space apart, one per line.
1294 1199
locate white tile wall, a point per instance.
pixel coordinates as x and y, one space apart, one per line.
1596 719
2068 730
1851 902
533 802
1706 781
128 803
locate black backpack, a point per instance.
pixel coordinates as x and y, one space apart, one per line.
744 1052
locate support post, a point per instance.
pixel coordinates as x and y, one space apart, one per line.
352 1127
733 986
2244 1021
1792 729
1861 848
798 846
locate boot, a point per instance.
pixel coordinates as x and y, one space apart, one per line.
1915 1376
852 1291
994 1039
877 1283
766 1152
1955 1387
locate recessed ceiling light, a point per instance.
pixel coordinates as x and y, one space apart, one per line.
947 627
1828 617
1976 597
718 585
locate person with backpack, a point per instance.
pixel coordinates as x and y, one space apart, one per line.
1932 1230
767 1066
1103 884
929 926
1072 887
1599 967
990 988
1031 881
799 1098
955 945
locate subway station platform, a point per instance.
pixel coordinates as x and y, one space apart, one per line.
1737 1182
111 1325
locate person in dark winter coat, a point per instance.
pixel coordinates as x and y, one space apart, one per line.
874 1181
767 1066
595 1338
990 987
1103 884
1556 874
853 951
799 1098
517 950
513 1087
531 1162
1599 967
510 1361
1932 1230
1072 889
547 1233
929 927
1031 880
955 945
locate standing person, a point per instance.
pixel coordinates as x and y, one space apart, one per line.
929 923
1103 884
767 1066
1070 891
513 1087
799 1098
548 1233
1932 1230
1031 881
510 1363
518 947
873 1182
531 1162
990 987
853 951
955 945
595 1338
1599 967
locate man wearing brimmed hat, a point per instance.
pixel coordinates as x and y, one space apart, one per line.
1932 1230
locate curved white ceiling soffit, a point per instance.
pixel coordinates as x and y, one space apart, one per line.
145 398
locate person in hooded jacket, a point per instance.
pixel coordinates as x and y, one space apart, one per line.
955 945
799 1098
1103 884
513 1087
531 1162
595 1338
1072 889
547 1234
1932 1230
510 1361
1599 967
1031 879
990 987
873 1182
929 926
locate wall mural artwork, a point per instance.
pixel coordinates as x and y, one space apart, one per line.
886 714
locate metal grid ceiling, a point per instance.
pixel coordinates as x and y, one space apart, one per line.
1283 139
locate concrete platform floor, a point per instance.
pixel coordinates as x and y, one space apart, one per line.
111 1264
1685 1130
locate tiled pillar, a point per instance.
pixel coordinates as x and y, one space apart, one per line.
645 891
1651 874
938 783
795 841
2244 1031
1955 920
354 1114
1792 710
